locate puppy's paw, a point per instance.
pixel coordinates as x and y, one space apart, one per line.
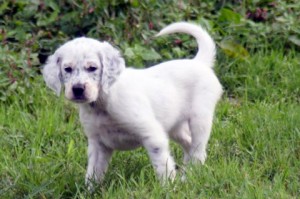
198 158
92 182
89 183
168 177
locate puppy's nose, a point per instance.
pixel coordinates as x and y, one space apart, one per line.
78 90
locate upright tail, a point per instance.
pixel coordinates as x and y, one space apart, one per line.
206 46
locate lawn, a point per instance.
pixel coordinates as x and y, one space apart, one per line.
254 150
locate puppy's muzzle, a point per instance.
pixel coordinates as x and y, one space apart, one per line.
78 91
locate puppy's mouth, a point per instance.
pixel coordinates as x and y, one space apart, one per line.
80 100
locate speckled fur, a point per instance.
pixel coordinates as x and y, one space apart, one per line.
122 109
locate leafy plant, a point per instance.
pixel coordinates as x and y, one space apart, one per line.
31 30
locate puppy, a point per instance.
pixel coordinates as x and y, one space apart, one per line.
122 108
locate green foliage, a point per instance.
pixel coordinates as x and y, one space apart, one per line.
17 70
31 30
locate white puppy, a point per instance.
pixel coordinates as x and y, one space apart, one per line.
123 108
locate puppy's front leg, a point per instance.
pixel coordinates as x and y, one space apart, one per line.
98 159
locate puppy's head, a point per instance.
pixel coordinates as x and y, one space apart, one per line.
84 67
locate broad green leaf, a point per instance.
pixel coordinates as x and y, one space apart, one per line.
295 40
233 49
135 3
129 53
150 55
44 21
227 15
3 7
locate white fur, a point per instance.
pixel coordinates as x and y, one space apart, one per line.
146 107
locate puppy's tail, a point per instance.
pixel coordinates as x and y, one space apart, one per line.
206 46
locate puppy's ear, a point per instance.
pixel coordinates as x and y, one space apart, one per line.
112 65
51 73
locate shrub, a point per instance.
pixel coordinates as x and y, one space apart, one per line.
31 30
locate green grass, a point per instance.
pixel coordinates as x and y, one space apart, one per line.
254 150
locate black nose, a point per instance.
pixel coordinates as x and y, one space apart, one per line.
78 90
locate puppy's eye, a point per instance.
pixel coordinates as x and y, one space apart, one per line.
68 69
91 69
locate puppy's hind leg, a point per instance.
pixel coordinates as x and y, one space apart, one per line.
200 125
182 135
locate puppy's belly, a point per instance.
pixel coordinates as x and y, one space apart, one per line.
118 139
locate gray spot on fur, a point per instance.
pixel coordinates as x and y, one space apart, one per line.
156 150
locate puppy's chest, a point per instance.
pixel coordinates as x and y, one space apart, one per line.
109 132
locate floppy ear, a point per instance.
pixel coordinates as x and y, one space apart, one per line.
51 73
112 65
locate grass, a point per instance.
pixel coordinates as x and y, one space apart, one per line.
254 150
